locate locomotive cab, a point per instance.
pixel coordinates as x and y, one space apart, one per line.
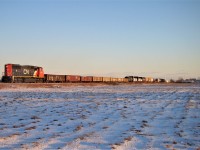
20 73
39 72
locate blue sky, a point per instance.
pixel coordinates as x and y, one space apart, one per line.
158 38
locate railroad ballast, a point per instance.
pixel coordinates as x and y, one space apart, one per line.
15 73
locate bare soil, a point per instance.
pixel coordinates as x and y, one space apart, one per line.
58 85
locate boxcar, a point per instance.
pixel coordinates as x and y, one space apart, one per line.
73 78
97 79
50 78
106 79
86 78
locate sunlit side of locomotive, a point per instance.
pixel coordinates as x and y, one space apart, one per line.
23 73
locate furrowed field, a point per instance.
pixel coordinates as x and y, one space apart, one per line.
100 116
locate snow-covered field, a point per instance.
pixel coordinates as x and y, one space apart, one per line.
100 117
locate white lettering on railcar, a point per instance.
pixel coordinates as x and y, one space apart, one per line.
26 71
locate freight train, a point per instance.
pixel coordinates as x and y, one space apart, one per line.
15 73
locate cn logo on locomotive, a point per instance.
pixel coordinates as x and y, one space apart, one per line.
26 71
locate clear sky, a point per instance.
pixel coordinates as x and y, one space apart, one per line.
159 38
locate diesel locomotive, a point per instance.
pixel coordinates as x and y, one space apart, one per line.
23 73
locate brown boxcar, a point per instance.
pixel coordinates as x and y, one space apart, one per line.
106 79
86 78
97 79
73 78
54 78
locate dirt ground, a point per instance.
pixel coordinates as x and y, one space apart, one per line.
53 85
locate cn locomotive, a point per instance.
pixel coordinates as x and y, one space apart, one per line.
23 73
